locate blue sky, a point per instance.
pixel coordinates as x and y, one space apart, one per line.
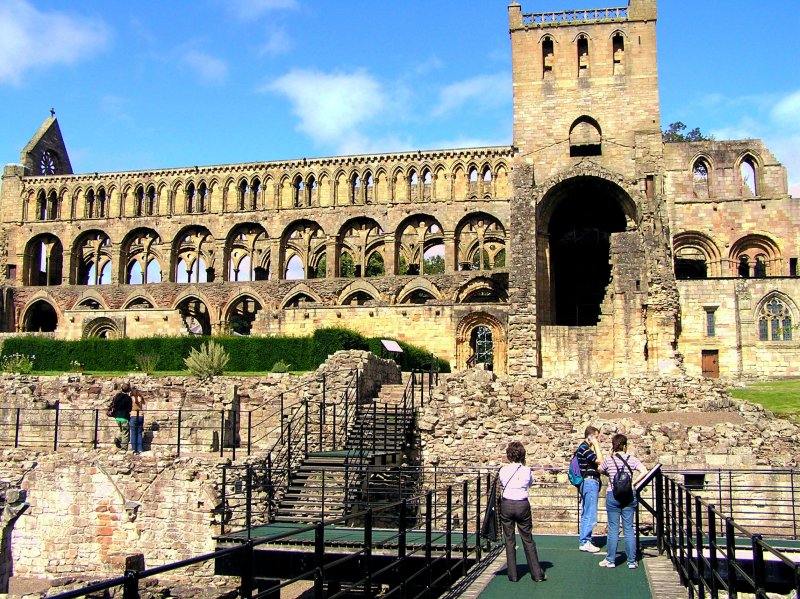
148 84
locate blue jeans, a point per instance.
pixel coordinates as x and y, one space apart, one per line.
615 511
590 491
137 430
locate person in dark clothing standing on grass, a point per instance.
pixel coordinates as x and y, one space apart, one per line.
121 407
589 458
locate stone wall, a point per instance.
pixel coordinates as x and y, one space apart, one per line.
684 423
681 422
90 509
211 411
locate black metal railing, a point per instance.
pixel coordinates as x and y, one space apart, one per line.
447 521
714 554
222 431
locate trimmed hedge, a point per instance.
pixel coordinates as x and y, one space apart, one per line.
248 354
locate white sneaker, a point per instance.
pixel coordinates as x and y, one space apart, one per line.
632 565
589 547
607 564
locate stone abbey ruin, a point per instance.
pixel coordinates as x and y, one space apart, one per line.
612 276
587 246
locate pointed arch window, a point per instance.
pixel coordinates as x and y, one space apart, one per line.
473 182
583 56
90 207
774 321
427 184
138 202
191 198
202 198
618 53
369 188
749 176
413 185
102 203
700 178
299 188
355 190
548 58
244 192
256 188
52 206
150 201
311 188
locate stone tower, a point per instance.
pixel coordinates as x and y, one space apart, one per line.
589 239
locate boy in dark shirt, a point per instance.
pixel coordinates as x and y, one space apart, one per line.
589 458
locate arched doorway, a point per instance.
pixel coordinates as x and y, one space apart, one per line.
482 346
577 220
481 339
40 317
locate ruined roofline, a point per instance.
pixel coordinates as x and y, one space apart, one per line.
295 163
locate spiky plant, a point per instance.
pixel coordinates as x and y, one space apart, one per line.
210 360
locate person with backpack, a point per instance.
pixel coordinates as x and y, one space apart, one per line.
589 457
621 502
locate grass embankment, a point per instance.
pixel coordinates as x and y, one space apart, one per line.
780 397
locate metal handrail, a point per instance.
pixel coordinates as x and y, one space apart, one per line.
457 557
690 529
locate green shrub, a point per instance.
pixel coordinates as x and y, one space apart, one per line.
209 361
247 354
280 367
17 363
147 362
328 341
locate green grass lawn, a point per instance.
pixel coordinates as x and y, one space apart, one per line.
780 397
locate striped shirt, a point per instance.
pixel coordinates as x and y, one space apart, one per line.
587 461
614 462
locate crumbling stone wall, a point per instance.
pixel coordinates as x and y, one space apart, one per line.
681 422
90 509
212 411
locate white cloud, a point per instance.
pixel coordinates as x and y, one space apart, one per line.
485 91
248 9
278 42
331 106
35 39
787 110
207 67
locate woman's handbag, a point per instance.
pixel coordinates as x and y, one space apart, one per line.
490 517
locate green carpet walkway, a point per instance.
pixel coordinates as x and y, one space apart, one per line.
570 573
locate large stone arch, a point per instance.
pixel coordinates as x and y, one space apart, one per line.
43 262
41 314
696 256
242 311
576 218
195 310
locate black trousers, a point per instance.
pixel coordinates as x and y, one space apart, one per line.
519 513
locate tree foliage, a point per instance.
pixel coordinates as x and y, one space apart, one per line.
676 133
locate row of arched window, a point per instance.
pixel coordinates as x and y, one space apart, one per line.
360 248
582 60
747 173
354 187
240 313
697 256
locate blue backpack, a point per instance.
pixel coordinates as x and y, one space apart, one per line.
574 471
